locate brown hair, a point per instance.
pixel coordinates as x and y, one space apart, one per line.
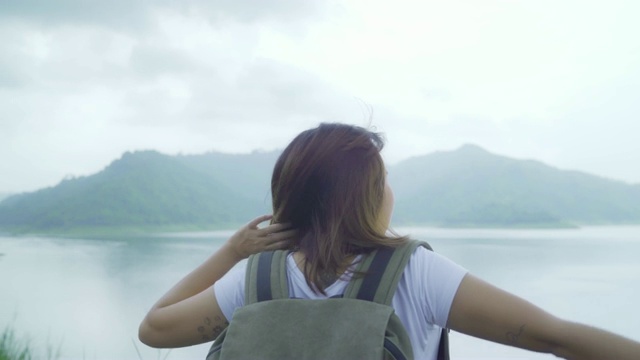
329 184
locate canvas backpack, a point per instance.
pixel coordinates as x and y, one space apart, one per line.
360 324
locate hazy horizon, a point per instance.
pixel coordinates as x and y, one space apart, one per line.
82 83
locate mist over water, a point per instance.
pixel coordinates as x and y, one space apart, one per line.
88 296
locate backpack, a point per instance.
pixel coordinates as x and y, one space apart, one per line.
360 324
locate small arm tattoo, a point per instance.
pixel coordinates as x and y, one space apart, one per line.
211 329
513 337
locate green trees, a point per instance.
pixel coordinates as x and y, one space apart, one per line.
142 189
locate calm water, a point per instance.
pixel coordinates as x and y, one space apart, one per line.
87 297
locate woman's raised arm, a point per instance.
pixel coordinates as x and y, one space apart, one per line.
482 310
189 314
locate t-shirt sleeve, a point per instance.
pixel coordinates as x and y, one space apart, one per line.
229 290
438 284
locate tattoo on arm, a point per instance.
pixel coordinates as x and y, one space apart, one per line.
211 329
513 337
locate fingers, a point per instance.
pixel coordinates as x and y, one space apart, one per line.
280 240
260 219
274 228
287 235
269 237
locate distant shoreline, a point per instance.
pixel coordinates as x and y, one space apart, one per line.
551 225
143 231
115 231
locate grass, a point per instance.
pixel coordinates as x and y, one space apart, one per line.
140 355
13 348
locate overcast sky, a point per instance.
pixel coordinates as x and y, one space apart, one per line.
82 81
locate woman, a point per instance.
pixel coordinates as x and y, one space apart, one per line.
331 204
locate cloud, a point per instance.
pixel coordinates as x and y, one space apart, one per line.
184 70
267 102
115 14
136 15
83 81
259 10
268 89
153 61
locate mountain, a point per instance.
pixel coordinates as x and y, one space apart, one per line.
470 186
250 173
4 195
142 189
465 187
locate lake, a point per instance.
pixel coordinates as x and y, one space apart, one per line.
87 297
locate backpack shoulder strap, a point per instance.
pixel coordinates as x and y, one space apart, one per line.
266 277
383 269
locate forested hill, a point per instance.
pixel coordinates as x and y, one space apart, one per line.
148 189
470 187
465 187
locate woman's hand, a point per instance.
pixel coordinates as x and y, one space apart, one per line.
250 239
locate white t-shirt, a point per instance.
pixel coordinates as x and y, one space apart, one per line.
422 301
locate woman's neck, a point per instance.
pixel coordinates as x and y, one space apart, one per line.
327 279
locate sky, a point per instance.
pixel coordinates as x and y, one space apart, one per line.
82 82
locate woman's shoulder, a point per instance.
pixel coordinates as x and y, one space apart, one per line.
428 269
